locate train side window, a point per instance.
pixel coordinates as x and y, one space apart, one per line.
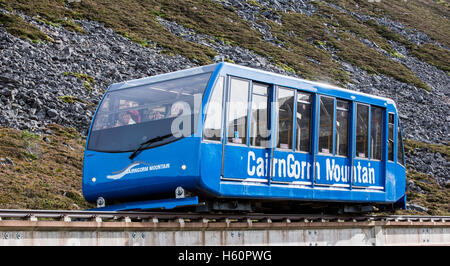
391 138
259 127
342 114
213 122
362 131
326 124
303 128
376 133
285 118
238 111
400 158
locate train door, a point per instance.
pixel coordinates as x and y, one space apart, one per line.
213 130
368 168
292 159
246 151
332 157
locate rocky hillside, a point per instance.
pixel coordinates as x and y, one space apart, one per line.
58 57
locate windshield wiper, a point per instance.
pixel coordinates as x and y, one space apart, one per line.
141 146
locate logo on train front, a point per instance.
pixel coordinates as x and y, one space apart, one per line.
137 167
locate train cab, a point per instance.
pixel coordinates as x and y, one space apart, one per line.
229 132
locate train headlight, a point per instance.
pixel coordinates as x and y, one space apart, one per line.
101 202
179 193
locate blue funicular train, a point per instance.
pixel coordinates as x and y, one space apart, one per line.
228 137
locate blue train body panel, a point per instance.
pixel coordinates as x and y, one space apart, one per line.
154 171
223 169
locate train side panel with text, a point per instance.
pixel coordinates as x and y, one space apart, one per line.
225 131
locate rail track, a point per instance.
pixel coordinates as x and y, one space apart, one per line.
187 217
67 227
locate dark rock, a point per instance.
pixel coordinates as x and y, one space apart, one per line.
6 92
52 113
34 99
9 161
410 186
416 207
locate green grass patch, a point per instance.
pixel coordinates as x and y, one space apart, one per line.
27 135
48 179
87 85
348 46
31 147
396 54
285 67
443 149
85 78
80 76
434 55
429 17
70 99
254 3
430 53
48 22
18 27
435 197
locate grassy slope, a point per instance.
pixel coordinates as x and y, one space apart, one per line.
435 198
427 16
48 175
137 21
18 27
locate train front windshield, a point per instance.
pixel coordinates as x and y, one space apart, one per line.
131 116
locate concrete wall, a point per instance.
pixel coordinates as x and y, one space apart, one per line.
45 233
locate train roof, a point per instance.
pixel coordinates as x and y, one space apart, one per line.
221 65
163 77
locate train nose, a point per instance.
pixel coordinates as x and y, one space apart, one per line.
114 176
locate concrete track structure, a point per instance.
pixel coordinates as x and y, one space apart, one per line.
53 228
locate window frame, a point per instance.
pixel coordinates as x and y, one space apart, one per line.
356 131
383 110
269 113
349 128
294 90
332 153
223 115
228 104
311 118
393 137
